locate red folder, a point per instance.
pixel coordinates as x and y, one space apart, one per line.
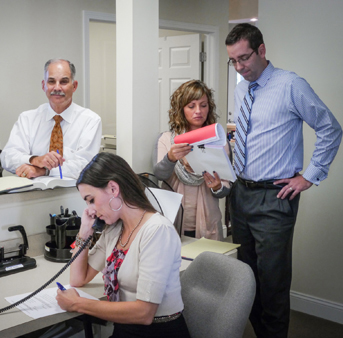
204 135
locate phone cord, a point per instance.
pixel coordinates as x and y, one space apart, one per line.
50 280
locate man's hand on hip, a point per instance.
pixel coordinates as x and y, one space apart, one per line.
293 187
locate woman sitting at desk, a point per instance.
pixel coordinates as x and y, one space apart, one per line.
192 107
139 254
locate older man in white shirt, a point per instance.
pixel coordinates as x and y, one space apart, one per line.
27 151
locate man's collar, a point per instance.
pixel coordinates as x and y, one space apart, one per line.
66 114
266 74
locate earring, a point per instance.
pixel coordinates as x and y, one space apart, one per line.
109 203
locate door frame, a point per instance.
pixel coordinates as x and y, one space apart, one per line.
211 48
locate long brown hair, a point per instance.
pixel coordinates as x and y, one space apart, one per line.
105 167
186 93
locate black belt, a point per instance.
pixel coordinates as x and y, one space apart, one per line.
165 319
260 184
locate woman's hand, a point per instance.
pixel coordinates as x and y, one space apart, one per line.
66 299
177 151
87 221
214 182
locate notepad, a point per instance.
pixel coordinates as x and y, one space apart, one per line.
9 183
195 248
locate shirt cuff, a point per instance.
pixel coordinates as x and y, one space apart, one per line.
26 159
222 192
219 190
314 174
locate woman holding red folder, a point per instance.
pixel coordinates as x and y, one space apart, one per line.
192 107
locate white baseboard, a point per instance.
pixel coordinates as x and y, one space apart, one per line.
317 307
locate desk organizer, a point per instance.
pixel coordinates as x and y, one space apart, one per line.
63 229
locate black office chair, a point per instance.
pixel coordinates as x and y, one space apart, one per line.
150 181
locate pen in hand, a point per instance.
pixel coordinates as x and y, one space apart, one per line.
59 166
61 287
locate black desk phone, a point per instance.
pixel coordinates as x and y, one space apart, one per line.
98 227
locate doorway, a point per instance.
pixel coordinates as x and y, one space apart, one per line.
209 40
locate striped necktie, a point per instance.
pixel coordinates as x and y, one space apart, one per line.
56 140
242 128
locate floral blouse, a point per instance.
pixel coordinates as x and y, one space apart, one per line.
110 274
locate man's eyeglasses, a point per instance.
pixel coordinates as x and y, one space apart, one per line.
241 60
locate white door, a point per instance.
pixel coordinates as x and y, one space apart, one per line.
179 61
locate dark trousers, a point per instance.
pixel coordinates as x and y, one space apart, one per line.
264 225
175 328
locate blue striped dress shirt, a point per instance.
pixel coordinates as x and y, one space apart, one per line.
274 146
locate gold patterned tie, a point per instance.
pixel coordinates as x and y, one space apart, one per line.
56 140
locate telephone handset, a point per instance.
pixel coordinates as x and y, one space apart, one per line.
98 227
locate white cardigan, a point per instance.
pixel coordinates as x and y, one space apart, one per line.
150 270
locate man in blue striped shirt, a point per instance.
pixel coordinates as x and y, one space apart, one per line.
265 198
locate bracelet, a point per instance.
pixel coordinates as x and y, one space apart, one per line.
80 242
219 190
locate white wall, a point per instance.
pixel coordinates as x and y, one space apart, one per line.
102 57
305 36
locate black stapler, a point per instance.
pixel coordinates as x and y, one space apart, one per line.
16 263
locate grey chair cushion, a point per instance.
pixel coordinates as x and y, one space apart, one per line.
218 292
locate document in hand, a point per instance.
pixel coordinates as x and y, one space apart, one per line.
208 152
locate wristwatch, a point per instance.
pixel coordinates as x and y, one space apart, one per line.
47 171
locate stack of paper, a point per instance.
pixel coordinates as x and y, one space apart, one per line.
203 244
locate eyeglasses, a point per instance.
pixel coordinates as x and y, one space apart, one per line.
241 60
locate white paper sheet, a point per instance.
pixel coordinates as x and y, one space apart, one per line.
211 158
169 201
44 303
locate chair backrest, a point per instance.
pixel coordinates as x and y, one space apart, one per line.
218 293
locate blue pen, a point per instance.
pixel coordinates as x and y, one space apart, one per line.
60 286
59 166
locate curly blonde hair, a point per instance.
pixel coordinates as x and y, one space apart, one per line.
186 93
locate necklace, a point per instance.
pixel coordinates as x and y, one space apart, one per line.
123 245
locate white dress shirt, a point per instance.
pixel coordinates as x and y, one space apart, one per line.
30 136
